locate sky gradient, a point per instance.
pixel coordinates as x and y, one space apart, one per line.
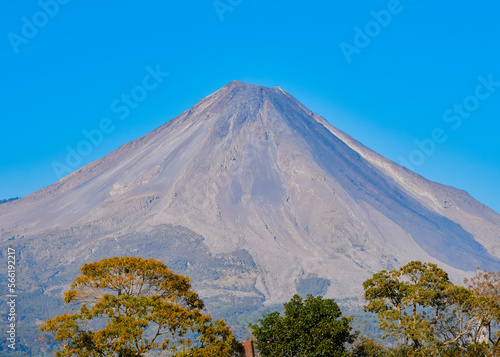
417 82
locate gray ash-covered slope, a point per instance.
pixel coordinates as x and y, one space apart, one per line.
255 197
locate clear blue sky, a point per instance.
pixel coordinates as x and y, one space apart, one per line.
386 72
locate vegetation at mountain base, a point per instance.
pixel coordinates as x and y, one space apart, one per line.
417 307
420 308
486 286
310 327
129 306
368 347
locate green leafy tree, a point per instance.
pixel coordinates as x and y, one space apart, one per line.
312 327
128 306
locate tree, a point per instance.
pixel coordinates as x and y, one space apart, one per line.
460 321
313 327
128 306
418 306
366 347
486 287
408 302
5 200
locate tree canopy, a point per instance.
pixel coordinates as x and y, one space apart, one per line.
128 306
486 287
310 327
418 306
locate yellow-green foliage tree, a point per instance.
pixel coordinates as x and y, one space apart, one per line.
128 306
486 287
399 296
418 306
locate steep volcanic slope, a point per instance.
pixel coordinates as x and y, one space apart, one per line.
268 197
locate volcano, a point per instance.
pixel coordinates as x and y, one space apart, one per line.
254 197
